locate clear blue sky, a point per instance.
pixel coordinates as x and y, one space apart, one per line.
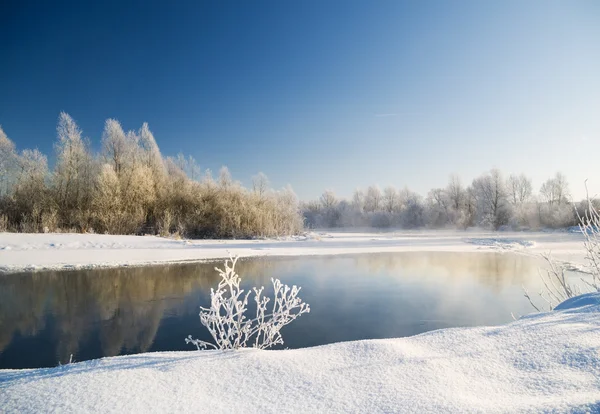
318 94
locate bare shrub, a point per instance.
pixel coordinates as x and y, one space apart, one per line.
557 288
589 224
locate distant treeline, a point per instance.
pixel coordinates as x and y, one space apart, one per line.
130 188
491 201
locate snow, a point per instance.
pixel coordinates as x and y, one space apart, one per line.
582 302
546 362
20 251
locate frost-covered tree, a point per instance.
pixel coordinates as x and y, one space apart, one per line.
373 199
413 212
152 161
286 209
491 197
489 201
31 193
455 192
328 200
131 188
260 184
391 199
555 190
8 163
73 173
150 154
438 206
330 209
107 201
189 166
225 180
519 189
193 170
358 200
469 211
116 148
556 210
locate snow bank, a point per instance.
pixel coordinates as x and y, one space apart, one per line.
540 363
586 302
71 251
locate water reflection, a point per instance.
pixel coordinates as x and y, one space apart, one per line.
46 317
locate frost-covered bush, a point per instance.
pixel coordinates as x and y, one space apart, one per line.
557 288
589 224
226 319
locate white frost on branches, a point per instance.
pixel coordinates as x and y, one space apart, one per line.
557 287
589 225
226 318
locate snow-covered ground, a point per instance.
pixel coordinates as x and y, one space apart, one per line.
541 363
70 251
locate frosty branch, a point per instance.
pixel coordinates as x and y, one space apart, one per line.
226 318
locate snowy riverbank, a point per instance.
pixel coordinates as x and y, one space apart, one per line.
541 363
71 251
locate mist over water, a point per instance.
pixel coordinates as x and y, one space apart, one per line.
45 317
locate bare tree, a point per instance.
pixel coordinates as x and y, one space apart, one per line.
391 199
561 190
438 204
455 192
470 210
373 199
358 200
555 190
328 200
490 193
519 189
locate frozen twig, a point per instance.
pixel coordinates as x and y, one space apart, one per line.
226 318
556 286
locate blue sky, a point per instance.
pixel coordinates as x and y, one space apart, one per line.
318 94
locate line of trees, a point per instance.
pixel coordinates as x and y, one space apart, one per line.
491 201
130 188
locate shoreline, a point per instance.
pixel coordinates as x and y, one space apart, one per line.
27 252
540 362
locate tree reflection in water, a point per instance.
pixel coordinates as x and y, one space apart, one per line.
47 316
